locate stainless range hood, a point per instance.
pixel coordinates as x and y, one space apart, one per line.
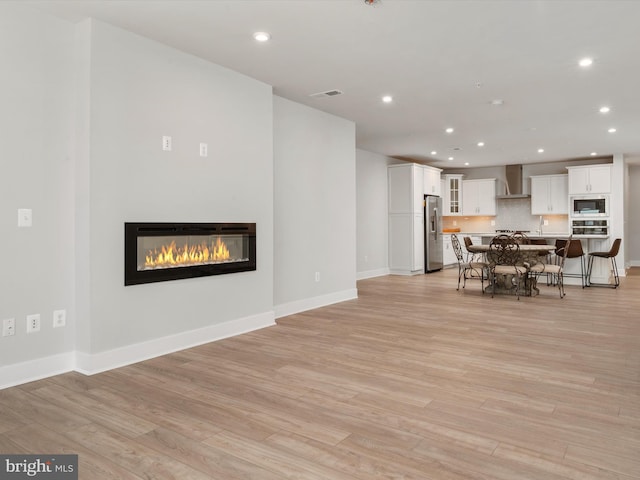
513 174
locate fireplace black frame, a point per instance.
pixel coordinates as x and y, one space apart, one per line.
132 230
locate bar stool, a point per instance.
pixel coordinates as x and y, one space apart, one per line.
575 251
611 255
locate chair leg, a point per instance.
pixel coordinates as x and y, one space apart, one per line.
614 269
616 277
560 281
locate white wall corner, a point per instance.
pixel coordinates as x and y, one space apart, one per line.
298 306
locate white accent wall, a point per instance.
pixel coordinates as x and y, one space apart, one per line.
315 208
36 172
372 214
85 108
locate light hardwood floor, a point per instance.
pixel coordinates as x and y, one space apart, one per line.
413 380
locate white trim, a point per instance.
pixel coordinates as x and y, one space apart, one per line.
634 263
32 370
298 306
380 272
90 364
399 271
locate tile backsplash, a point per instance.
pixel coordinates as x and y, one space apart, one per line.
512 214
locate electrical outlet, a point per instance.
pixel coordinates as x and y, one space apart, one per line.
59 318
33 323
166 143
317 276
8 327
203 149
546 223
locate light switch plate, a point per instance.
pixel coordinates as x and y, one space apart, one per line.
25 217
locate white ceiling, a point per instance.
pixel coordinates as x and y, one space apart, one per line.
443 62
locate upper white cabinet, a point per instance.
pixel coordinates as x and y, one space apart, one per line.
452 195
589 179
549 195
432 181
406 188
479 197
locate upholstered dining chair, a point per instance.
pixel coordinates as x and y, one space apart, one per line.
503 258
467 269
611 256
468 243
553 270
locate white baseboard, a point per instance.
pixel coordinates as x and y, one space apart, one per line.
634 263
32 370
380 272
298 306
90 364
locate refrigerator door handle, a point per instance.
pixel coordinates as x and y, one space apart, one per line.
434 223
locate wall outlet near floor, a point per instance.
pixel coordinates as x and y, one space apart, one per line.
33 323
59 318
8 327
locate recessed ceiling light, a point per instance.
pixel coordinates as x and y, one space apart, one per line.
466 164
593 154
449 130
450 158
585 62
387 99
433 152
261 36
612 130
497 102
481 144
541 150
605 109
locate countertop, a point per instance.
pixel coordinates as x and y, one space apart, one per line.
530 235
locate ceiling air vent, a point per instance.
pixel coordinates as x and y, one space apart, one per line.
328 93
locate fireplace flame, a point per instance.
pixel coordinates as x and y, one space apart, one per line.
173 256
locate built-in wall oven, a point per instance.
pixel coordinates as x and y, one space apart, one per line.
592 226
589 206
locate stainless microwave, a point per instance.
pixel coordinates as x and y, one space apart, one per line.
589 205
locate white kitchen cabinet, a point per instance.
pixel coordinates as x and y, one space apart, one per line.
479 197
452 195
406 218
549 195
589 179
448 254
432 181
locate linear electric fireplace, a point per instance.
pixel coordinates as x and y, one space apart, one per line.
157 252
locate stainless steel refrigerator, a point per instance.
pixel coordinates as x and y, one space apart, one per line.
432 233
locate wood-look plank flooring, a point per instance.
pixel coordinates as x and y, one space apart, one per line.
413 380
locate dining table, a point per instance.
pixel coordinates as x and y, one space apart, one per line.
529 255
